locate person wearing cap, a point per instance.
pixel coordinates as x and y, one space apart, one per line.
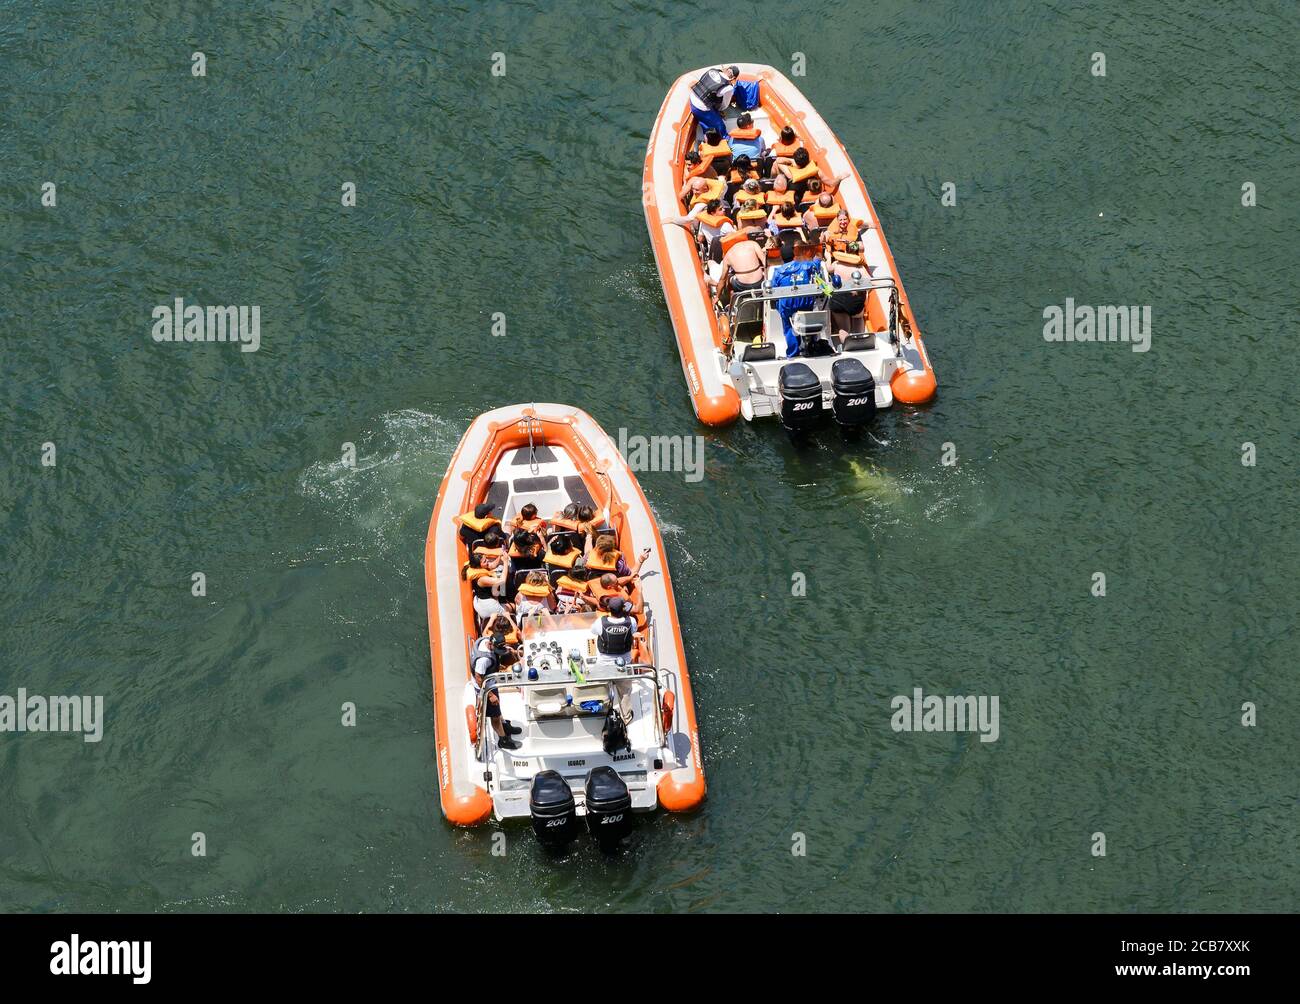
485 659
614 631
478 521
852 269
711 96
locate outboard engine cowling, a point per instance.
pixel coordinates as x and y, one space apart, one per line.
609 806
855 392
551 804
801 397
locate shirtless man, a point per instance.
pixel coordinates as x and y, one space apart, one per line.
744 265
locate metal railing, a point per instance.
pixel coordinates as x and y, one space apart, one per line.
768 294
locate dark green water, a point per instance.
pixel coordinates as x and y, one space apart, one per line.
521 194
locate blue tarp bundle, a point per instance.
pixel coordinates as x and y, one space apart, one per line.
746 95
796 273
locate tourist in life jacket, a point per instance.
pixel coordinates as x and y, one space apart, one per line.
492 546
742 170
711 96
847 305
697 167
780 194
564 520
560 553
487 584
528 520
783 149
842 232
702 190
716 152
587 524
751 210
485 659
504 625
747 140
525 550
606 557
786 226
534 595
571 592
820 215
802 169
614 632
709 224
476 523
811 194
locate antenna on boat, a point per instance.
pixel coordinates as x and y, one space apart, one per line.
533 466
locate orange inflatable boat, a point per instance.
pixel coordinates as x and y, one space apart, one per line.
842 342
580 713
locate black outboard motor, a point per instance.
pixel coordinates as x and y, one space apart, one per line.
555 817
855 392
801 397
609 806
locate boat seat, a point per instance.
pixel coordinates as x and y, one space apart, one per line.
811 324
544 702
748 312
758 353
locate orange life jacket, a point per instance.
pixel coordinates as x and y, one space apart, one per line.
714 220
775 198
735 237
538 591
531 525
516 553
717 188
826 214
489 552
723 149
785 222
750 133
802 173
599 592
600 563
752 215
735 178
563 524
840 239
479 525
565 560
473 575
569 585
786 149
698 170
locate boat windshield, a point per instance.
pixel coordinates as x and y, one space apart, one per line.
545 623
